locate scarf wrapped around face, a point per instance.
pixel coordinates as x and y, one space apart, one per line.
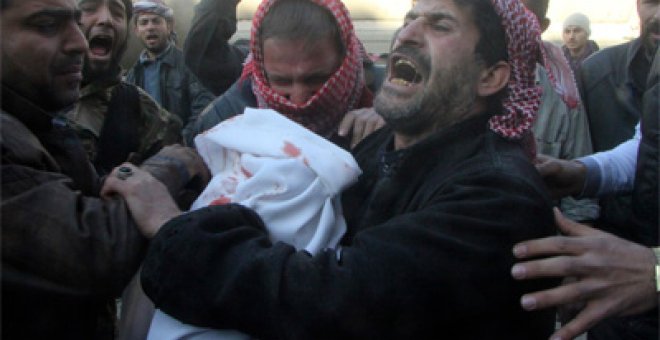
523 40
341 93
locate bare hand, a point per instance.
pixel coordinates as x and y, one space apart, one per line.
563 177
188 158
147 198
613 277
360 123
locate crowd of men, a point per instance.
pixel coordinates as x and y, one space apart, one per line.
505 181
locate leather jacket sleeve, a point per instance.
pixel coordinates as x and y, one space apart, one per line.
207 51
56 237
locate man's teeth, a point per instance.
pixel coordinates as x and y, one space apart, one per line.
401 82
405 73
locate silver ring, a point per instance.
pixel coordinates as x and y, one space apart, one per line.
124 172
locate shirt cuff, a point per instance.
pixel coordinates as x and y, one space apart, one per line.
592 178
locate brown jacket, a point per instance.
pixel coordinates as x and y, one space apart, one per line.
154 127
66 253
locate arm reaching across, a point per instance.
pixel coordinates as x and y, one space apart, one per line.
615 277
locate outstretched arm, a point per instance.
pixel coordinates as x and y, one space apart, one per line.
612 276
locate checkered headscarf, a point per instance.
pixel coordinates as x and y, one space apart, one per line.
157 7
523 40
342 92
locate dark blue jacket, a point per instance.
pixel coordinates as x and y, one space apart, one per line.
180 91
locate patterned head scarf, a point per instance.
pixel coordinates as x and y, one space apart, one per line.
157 7
523 40
343 91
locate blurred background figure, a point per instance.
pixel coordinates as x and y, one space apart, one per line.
160 69
577 45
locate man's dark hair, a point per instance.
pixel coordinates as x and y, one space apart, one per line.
538 7
491 46
128 4
129 10
300 20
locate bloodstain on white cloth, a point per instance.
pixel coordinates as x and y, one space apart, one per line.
289 175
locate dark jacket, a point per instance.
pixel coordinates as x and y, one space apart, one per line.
427 253
645 191
207 51
66 253
611 96
612 89
576 62
181 93
231 103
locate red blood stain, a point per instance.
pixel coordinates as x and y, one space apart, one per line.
246 172
221 201
291 150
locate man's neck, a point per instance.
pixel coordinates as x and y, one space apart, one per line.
402 141
152 55
447 121
577 52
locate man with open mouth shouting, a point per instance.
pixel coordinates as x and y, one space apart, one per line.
161 70
115 119
446 190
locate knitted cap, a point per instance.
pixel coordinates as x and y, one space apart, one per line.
579 20
157 7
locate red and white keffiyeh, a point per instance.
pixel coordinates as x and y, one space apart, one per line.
340 94
523 39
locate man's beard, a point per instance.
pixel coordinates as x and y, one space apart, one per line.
110 70
446 100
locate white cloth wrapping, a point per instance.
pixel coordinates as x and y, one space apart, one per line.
289 175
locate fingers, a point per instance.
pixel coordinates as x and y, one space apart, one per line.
586 319
359 130
360 123
569 292
546 165
572 228
580 238
114 184
346 124
556 266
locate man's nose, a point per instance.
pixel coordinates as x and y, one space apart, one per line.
410 34
300 94
104 16
75 42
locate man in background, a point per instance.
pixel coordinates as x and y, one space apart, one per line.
577 45
161 70
561 129
115 120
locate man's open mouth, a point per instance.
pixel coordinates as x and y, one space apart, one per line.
404 72
100 45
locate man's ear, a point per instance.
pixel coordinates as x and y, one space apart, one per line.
493 79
